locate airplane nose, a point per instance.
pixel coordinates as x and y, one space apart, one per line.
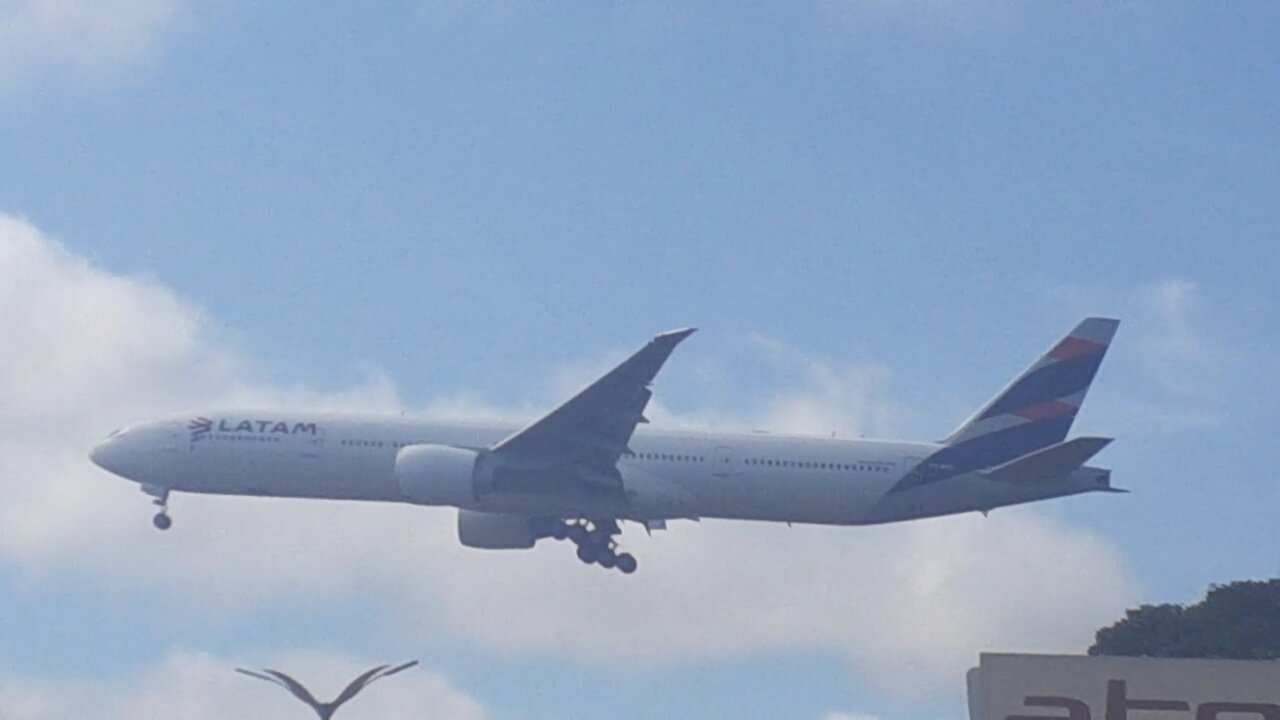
98 453
104 455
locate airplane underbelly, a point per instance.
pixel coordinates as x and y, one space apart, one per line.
822 499
964 493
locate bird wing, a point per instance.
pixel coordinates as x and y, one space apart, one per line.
294 687
260 676
358 684
396 669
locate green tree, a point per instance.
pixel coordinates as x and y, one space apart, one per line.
1238 620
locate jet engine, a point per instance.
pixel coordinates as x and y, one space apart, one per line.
496 531
438 474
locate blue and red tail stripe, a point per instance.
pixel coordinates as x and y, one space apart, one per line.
1071 347
1034 412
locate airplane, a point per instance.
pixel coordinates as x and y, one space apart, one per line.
585 467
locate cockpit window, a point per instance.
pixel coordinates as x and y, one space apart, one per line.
117 431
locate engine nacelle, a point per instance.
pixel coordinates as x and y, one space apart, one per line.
437 474
496 531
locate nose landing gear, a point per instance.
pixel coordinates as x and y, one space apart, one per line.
596 544
161 521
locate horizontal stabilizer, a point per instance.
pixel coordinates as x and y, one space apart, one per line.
1049 463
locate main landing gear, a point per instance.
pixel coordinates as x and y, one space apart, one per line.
596 544
162 521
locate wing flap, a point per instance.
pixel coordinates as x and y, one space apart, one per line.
1048 463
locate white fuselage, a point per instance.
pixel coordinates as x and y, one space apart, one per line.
742 476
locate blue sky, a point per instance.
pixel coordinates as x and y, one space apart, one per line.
876 212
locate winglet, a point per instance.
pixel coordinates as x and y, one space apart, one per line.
674 336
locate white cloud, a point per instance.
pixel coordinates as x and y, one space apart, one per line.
197 686
906 605
1183 382
1171 336
84 38
847 716
827 398
1168 372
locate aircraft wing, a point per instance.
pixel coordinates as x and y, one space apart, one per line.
592 429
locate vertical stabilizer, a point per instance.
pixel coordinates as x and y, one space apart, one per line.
1036 410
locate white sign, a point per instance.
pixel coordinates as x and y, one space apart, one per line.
1072 687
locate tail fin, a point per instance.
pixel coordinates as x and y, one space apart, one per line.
1036 410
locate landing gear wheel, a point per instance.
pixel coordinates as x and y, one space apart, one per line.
596 545
162 521
605 557
627 563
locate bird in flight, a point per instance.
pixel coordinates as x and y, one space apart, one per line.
326 710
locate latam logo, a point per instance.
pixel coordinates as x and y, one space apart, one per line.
1122 707
202 426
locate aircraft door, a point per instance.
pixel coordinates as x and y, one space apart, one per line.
722 461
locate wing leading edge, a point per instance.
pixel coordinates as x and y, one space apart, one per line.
592 429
